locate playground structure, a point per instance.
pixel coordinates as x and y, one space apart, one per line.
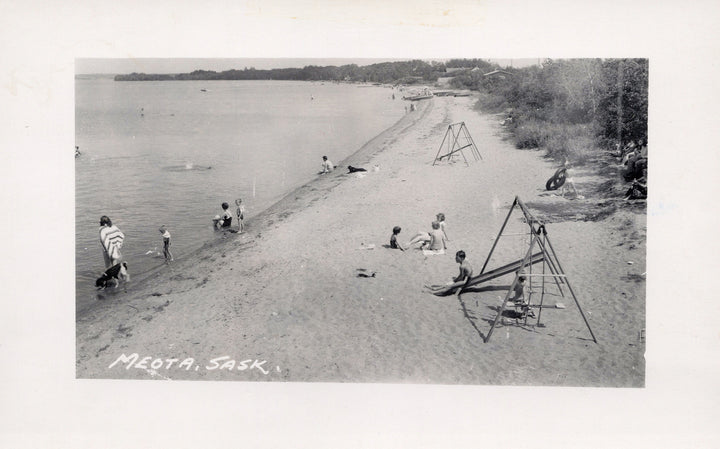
551 269
458 139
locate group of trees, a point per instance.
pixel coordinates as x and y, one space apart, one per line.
563 105
406 72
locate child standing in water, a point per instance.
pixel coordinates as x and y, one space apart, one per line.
240 214
166 244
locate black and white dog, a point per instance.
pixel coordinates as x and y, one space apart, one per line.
113 275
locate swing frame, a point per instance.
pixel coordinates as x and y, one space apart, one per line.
538 237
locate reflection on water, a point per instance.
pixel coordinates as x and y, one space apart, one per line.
187 167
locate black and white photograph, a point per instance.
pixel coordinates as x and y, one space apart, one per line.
359 224
363 221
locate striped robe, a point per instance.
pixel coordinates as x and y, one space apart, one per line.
112 240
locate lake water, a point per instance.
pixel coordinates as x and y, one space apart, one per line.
170 152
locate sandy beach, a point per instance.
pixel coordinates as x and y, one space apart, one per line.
284 302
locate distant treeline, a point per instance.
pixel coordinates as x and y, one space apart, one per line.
568 107
400 72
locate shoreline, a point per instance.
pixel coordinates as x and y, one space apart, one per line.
288 294
279 210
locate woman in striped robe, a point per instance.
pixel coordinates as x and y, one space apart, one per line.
111 239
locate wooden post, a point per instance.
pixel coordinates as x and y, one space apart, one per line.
567 282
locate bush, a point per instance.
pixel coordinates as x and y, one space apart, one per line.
573 142
571 108
561 141
530 133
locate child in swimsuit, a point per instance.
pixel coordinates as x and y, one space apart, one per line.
394 244
240 212
166 244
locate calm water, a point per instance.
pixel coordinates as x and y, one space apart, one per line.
169 153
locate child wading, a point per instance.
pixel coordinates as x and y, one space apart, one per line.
166 244
224 221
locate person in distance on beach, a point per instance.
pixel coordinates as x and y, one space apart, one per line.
327 166
569 183
518 294
111 239
421 236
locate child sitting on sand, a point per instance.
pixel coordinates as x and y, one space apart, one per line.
441 219
327 166
437 244
240 212
166 244
394 244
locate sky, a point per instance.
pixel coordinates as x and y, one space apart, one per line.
186 65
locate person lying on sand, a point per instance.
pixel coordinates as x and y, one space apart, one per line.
427 239
421 236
